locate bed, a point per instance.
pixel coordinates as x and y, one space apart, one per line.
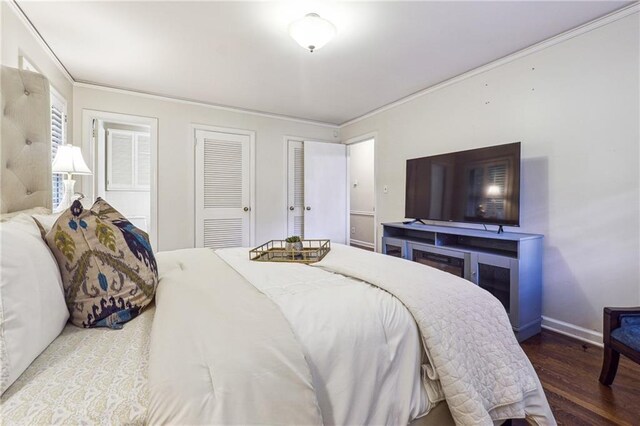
358 338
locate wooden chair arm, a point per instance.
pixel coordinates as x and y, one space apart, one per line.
611 320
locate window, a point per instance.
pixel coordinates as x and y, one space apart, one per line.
128 160
58 129
58 137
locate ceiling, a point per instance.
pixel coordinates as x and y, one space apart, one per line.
239 54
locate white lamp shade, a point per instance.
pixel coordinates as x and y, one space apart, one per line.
312 32
69 160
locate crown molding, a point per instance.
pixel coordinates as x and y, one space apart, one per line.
141 94
17 10
567 35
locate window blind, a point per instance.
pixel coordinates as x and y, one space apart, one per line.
57 138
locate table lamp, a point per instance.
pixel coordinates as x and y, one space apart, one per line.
69 160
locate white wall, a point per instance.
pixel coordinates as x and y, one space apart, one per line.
575 107
361 191
176 157
17 39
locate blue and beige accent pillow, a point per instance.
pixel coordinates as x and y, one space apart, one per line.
108 269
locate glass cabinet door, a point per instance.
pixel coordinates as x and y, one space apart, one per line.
393 247
497 275
496 280
393 250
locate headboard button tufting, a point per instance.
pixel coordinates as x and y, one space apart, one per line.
29 192
28 142
26 92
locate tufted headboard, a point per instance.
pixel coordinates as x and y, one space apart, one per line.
25 144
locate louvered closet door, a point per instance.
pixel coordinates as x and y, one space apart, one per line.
295 189
223 185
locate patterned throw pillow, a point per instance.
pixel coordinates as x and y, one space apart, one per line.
107 265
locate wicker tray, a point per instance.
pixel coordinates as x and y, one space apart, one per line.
275 251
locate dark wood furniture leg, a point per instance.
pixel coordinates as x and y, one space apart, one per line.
613 348
609 366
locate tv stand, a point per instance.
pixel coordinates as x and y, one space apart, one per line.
506 264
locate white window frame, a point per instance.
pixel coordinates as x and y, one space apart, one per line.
134 161
60 103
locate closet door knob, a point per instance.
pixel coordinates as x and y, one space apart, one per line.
246 209
308 208
291 208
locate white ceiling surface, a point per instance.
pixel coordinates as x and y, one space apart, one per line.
239 54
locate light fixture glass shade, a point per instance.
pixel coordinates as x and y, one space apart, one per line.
312 32
69 160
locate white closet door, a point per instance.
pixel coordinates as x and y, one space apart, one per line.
295 189
223 189
325 191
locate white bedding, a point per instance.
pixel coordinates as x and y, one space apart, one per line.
85 376
243 342
221 351
474 360
472 351
361 343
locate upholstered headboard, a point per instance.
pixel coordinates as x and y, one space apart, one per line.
25 147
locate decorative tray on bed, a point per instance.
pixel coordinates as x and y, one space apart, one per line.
276 251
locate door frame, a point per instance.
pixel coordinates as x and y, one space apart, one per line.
193 127
90 183
352 141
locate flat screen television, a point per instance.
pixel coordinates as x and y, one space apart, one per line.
475 186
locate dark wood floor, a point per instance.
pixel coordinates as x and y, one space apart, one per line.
569 370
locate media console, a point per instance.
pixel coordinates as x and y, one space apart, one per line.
508 265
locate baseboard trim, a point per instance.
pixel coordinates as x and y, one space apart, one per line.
571 330
362 244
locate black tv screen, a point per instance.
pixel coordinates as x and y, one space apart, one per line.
477 186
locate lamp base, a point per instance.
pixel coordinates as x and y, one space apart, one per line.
67 198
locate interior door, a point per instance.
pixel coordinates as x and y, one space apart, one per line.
295 188
325 191
223 189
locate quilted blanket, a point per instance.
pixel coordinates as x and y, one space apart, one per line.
472 351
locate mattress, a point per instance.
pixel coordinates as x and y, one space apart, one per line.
85 376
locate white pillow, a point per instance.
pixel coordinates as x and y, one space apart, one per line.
36 210
32 307
46 220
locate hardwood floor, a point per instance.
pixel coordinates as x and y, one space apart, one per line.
569 370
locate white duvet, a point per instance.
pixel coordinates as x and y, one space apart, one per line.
360 342
242 342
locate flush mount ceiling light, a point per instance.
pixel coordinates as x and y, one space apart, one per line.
312 32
